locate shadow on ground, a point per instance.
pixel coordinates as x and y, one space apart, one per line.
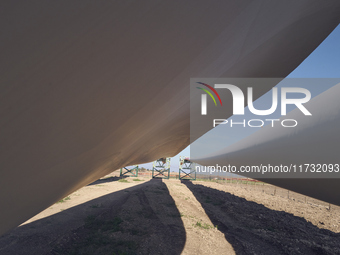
252 228
106 180
139 220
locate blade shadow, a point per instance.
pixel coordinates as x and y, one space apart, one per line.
252 228
142 219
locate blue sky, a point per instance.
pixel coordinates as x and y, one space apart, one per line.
323 62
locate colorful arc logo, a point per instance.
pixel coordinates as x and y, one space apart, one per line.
213 90
204 97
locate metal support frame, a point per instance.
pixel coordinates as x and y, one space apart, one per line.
186 167
161 168
129 172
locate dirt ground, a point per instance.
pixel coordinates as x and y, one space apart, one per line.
143 216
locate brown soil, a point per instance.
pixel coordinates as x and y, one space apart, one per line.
173 217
